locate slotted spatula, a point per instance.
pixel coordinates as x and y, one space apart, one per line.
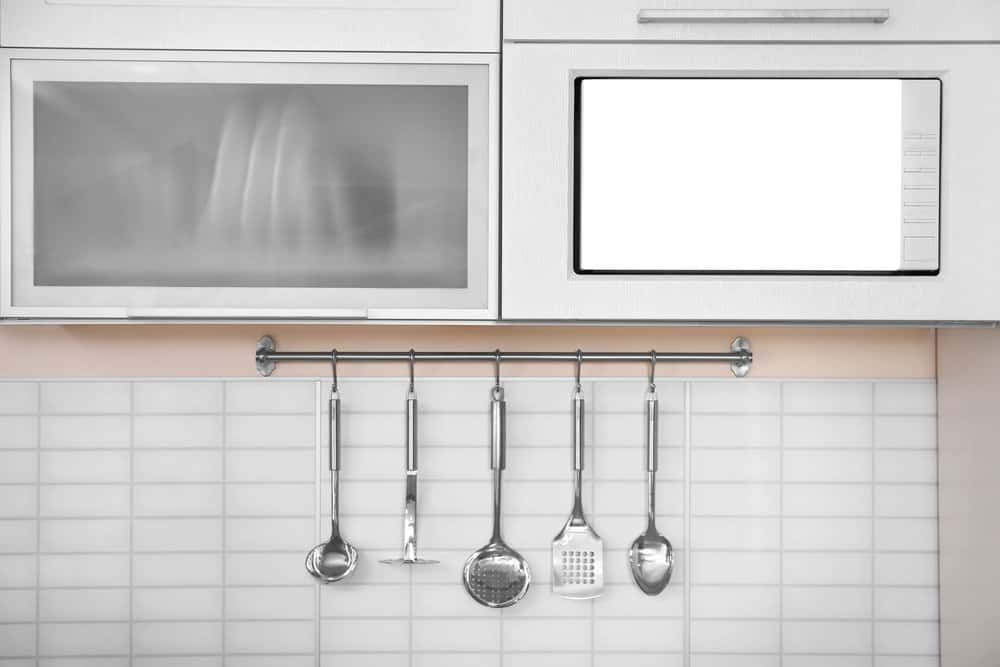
577 551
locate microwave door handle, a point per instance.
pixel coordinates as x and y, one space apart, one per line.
763 15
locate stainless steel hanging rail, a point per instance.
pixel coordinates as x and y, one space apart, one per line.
739 358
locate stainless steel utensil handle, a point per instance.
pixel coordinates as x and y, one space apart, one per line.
411 432
652 432
333 437
709 15
578 438
498 452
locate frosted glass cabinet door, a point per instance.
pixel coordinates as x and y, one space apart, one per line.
359 189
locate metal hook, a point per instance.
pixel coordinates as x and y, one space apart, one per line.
333 363
652 371
413 363
579 363
496 372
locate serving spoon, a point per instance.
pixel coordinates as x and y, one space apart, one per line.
651 557
336 558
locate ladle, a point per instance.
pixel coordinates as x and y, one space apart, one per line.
335 559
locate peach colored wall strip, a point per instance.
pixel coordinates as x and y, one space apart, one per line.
164 350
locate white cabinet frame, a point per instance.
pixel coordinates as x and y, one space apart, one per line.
478 301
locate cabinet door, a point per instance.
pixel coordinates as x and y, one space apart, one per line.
540 281
360 187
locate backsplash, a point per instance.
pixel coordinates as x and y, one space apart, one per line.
165 523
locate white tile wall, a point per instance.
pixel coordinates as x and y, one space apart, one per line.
164 524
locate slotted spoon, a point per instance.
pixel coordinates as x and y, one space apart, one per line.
497 576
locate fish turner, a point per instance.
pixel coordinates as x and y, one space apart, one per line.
577 551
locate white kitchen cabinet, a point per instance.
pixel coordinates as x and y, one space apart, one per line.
540 272
218 185
253 25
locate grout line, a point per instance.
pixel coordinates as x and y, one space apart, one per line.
781 526
38 522
872 519
131 524
687 524
223 486
317 497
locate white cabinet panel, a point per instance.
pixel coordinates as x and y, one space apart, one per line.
253 25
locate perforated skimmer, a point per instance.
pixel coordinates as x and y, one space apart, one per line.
496 575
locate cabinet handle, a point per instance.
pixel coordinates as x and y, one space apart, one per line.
763 15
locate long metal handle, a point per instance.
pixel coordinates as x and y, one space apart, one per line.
333 438
498 452
652 456
410 509
411 432
763 15
578 438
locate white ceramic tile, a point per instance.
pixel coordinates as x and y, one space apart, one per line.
909 432
907 661
827 661
274 499
552 635
911 638
264 396
17 607
72 639
735 430
827 569
185 661
364 430
265 569
827 431
82 466
85 397
270 637
370 634
626 498
734 636
827 397
478 659
17 640
457 429
177 466
88 535
151 500
17 570
827 636
735 660
827 602
17 535
742 396
18 467
174 431
639 659
623 430
89 431
363 600
178 569
177 397
90 500
383 463
906 466
826 534
18 432
827 466
560 659
270 661
625 600
271 466
919 500
750 534
906 398
271 431
398 659
177 535
906 604
18 397
735 499
629 463
632 634
540 603
455 635
87 570
735 602
111 604
269 534
176 638
735 465
735 568
906 534
815 500
444 498
17 501
177 604
629 395
465 395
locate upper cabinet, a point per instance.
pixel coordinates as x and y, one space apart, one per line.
685 162
345 182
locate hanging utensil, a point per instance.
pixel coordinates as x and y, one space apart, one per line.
497 576
410 506
651 556
578 551
336 558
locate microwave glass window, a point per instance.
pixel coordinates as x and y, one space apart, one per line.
250 185
740 176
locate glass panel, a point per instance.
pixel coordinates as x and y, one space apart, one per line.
250 185
740 175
